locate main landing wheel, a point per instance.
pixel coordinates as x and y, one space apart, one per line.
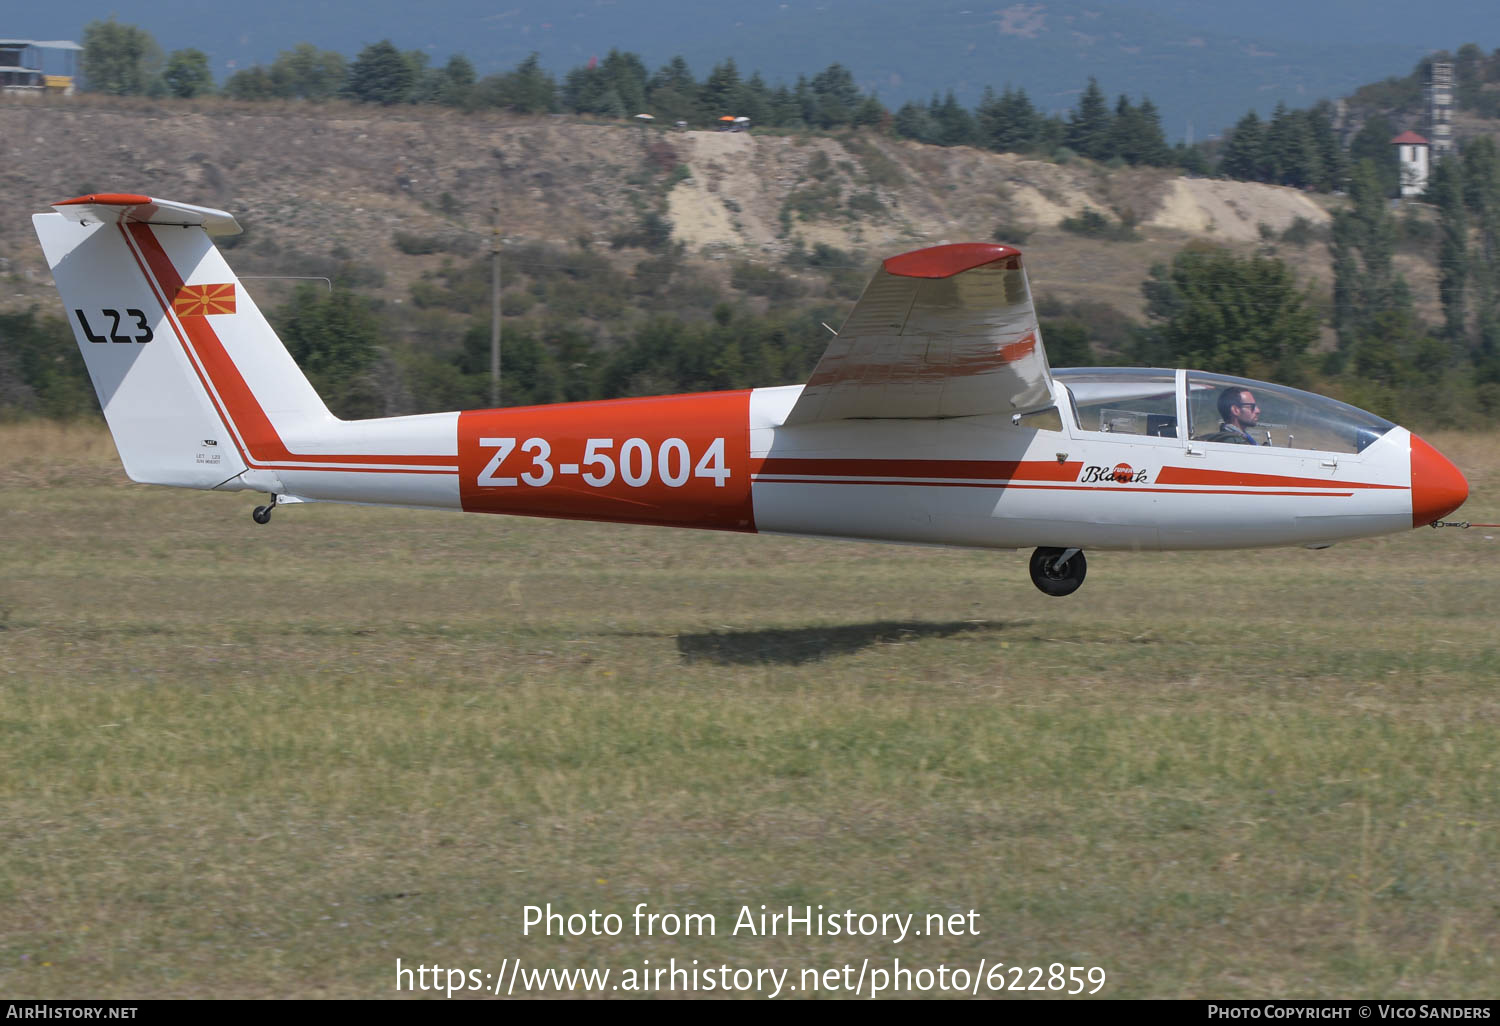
1058 571
262 514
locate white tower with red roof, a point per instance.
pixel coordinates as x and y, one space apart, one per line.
1413 154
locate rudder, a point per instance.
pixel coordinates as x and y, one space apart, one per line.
188 372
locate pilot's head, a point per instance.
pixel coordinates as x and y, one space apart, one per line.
1237 406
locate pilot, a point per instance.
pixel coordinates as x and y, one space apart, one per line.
1239 413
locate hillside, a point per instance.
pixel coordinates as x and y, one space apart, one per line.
320 188
1203 64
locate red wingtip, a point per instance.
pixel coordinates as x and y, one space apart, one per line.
946 261
108 199
1437 486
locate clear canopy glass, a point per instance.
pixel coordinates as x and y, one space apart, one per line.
1221 410
1123 400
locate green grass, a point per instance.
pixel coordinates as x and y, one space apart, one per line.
249 761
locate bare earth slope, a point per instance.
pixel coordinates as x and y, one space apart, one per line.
310 181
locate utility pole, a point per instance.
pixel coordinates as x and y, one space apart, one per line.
495 304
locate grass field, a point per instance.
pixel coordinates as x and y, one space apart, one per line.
245 761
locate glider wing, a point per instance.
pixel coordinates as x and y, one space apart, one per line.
948 331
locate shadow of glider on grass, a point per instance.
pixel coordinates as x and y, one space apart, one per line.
932 418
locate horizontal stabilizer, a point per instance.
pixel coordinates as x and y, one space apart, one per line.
122 208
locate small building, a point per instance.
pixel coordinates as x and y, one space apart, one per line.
24 67
1413 154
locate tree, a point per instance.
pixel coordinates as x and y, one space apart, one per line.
672 93
871 113
1135 134
755 100
720 93
1291 155
380 74
1067 343
253 83
1124 129
531 375
41 370
120 60
1446 191
1191 159
1468 76
913 121
452 85
1481 175
837 96
526 90
1373 143
954 124
1221 312
1242 158
626 74
1088 126
584 89
187 74
335 338
307 73
1009 124
1364 242
1152 146
1331 159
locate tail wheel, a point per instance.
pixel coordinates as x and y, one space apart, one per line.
1058 571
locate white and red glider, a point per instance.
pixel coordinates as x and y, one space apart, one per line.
932 418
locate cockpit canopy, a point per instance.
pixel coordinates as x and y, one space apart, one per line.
1219 409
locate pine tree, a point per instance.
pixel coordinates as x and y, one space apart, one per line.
1481 175
627 76
1244 152
837 96
1373 143
721 90
1446 191
913 121
1153 144
1291 154
1009 124
1126 132
955 125
1332 164
380 74
1088 126
672 93
1366 285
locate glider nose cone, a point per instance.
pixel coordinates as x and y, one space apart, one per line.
1437 487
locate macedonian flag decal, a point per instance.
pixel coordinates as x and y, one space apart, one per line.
202 300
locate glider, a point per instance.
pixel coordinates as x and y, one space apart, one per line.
932 418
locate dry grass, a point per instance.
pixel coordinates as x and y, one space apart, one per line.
268 761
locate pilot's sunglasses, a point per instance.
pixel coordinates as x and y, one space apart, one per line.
1248 406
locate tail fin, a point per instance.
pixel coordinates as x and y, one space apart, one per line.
190 375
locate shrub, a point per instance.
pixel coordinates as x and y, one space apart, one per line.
1096 226
763 281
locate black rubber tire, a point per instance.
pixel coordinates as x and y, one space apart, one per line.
1053 580
262 514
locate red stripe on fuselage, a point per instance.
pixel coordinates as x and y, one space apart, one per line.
1235 478
976 470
